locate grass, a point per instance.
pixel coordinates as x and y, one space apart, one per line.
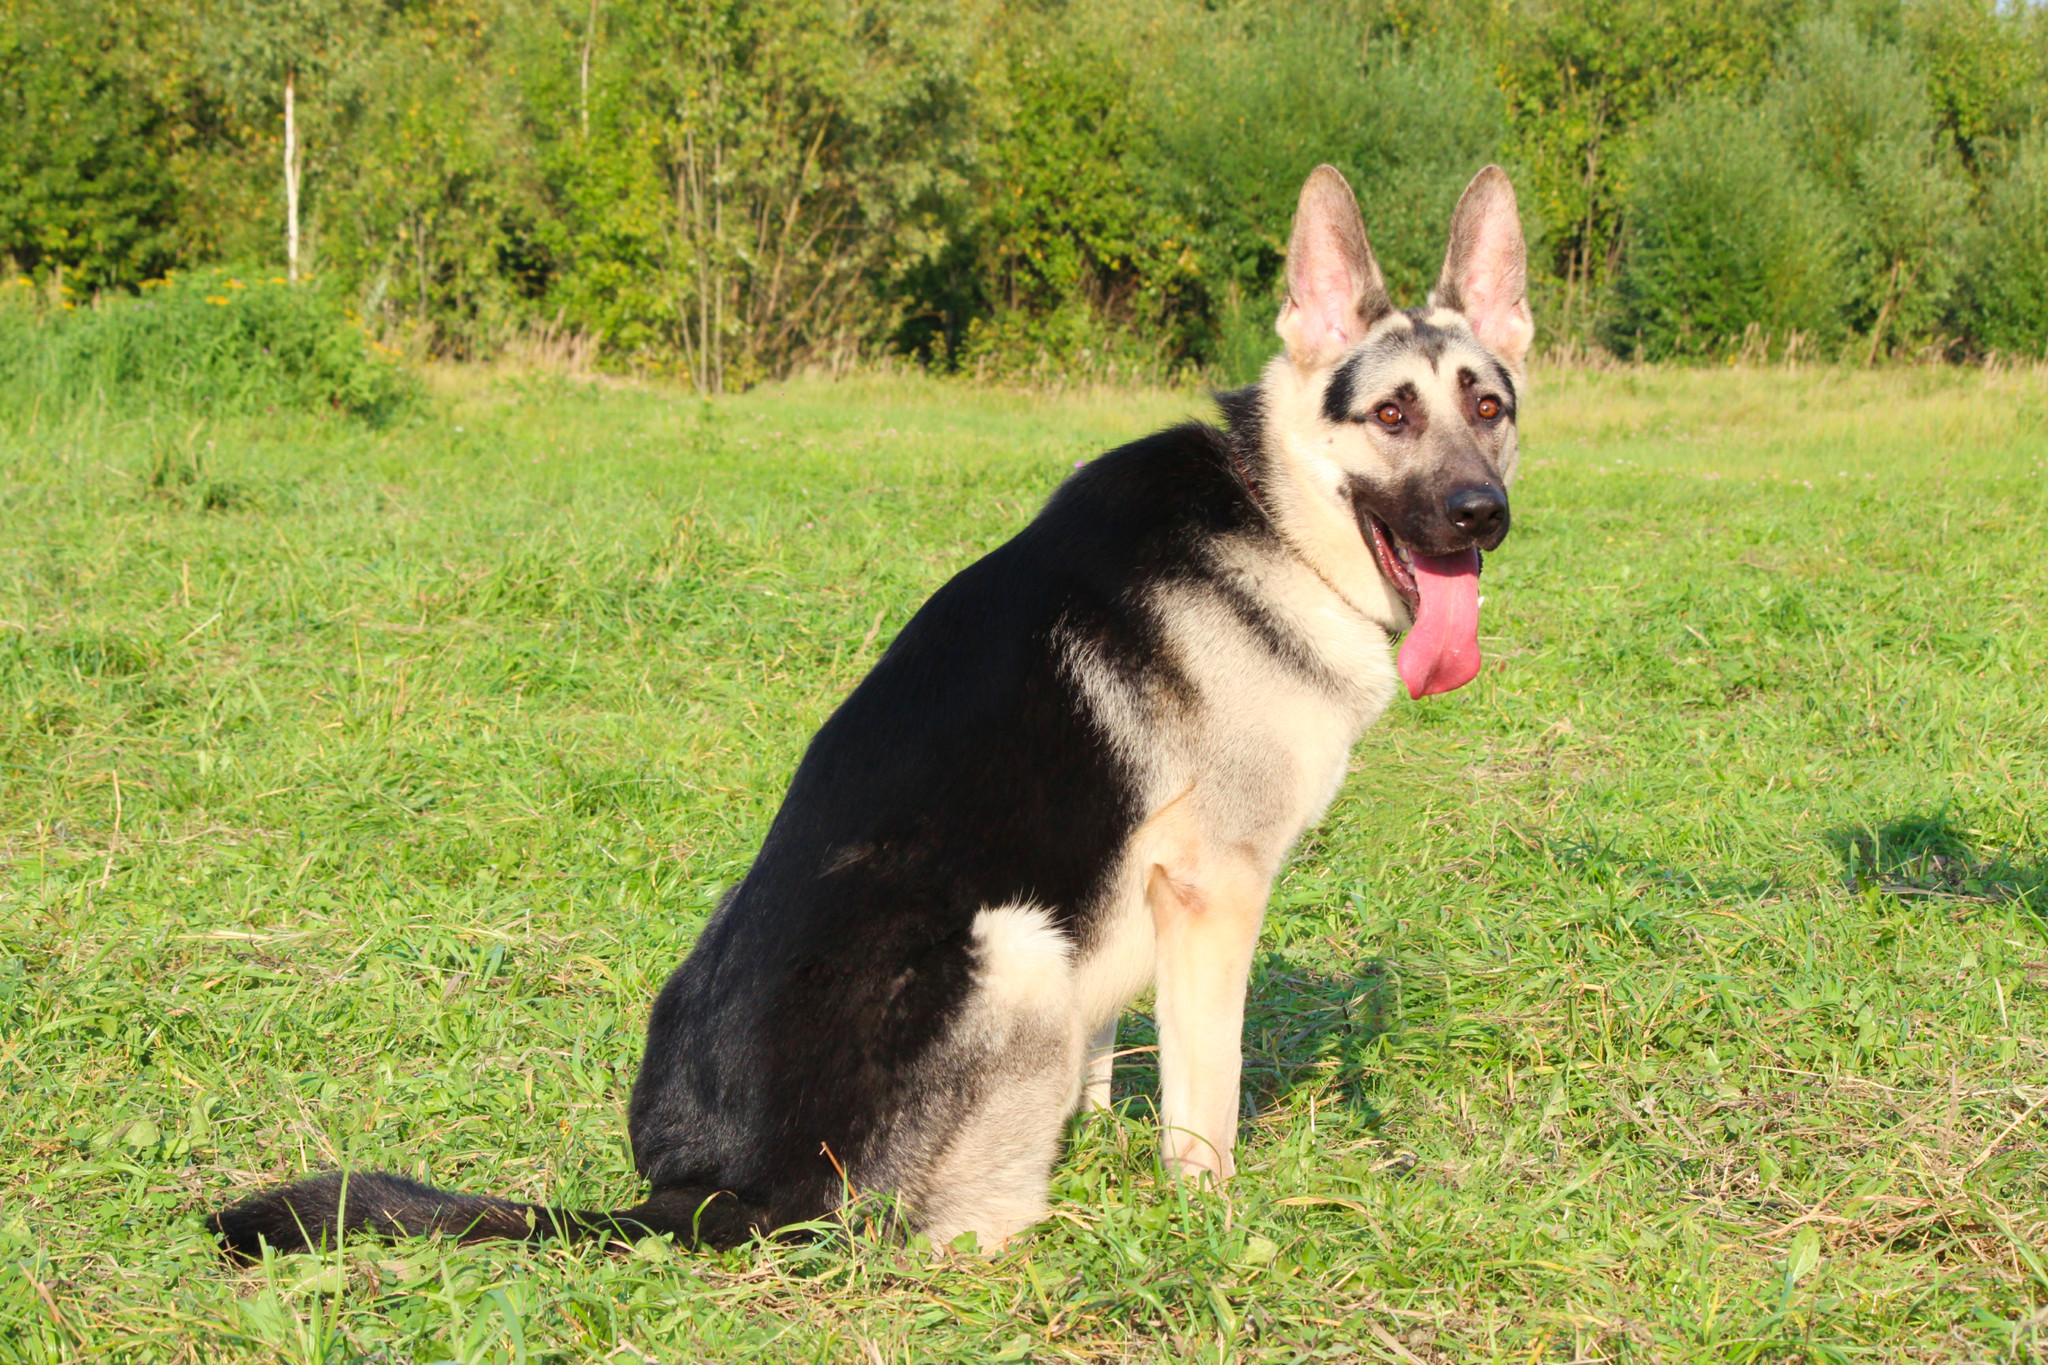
1678 991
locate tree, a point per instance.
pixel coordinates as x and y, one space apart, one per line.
1581 76
761 171
261 46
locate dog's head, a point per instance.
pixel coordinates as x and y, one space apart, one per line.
1398 426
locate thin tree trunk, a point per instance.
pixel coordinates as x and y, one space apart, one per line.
1884 314
419 260
717 235
1581 276
691 225
291 182
583 104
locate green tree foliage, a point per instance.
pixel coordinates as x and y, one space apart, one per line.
86 188
1244 116
745 177
429 218
736 189
1582 76
1858 120
1069 249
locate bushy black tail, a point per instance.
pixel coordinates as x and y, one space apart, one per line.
307 1215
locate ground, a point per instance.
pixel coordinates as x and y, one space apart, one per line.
1677 991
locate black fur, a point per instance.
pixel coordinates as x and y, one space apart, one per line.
304 1215
1337 398
962 773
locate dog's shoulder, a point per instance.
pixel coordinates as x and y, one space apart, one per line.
972 726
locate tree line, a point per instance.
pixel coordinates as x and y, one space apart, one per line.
732 190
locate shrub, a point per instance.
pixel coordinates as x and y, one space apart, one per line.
211 343
2006 291
1725 234
1857 117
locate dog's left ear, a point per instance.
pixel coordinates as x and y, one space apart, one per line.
1486 272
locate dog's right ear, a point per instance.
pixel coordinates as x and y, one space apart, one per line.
1335 292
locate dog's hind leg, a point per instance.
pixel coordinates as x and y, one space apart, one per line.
1018 1055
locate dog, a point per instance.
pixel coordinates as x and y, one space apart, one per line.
1074 774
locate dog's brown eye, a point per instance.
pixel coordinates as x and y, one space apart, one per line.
1389 414
1489 407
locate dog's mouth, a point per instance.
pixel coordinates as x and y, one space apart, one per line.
1394 560
1440 652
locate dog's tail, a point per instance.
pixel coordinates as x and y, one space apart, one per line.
312 1214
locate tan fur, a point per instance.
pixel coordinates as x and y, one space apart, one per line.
1307 501
1101 1066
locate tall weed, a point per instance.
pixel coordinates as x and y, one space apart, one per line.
211 344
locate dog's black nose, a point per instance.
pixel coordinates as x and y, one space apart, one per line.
1480 511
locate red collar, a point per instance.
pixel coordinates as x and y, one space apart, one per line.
1251 485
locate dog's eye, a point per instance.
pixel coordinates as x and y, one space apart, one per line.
1389 414
1489 407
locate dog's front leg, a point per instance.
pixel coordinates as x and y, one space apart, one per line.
1207 925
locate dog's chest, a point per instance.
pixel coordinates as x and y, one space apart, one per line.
1284 676
1243 750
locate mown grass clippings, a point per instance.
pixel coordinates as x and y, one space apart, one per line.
1675 992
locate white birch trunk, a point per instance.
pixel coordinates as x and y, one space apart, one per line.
291 184
583 101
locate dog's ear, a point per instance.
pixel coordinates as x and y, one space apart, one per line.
1334 289
1486 272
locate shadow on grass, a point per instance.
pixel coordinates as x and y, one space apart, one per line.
1304 1026
1301 1025
1601 861
1928 854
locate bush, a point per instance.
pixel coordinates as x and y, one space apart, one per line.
2006 292
1725 235
212 344
87 190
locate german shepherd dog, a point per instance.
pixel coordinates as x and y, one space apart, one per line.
1075 773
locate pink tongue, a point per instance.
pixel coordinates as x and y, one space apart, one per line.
1441 651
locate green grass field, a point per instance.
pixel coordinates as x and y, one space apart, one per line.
1678 991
